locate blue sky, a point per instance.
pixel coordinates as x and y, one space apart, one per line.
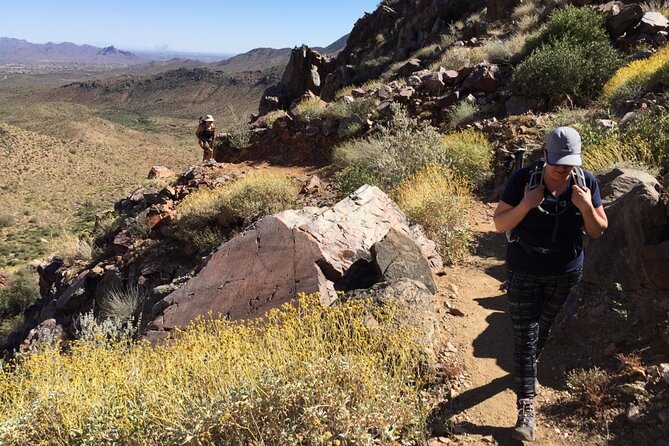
207 27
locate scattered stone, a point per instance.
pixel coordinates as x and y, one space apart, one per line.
384 92
652 23
483 78
621 17
634 414
664 372
451 348
410 67
456 312
358 92
313 185
160 172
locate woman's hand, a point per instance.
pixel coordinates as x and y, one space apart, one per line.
581 198
534 197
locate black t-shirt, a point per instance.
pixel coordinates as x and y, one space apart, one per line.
558 230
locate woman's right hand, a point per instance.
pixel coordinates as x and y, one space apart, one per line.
534 197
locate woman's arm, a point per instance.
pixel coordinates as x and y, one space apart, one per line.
595 221
507 217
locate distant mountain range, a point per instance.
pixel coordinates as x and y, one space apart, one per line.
21 51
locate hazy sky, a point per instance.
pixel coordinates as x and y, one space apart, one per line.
209 27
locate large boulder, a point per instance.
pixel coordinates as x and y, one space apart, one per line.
637 221
397 256
289 253
484 78
306 72
621 17
618 182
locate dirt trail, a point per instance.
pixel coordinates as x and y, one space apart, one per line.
483 407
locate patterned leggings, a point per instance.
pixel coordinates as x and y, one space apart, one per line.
534 302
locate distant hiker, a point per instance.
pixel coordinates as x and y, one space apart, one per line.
206 132
546 209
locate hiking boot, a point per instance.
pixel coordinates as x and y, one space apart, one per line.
526 423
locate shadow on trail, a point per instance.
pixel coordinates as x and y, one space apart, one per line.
494 342
490 244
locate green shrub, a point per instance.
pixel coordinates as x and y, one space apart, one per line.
578 26
395 151
439 201
406 145
351 178
362 109
20 292
563 67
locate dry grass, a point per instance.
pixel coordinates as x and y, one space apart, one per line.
124 304
371 84
526 8
660 6
458 57
462 113
589 389
71 248
620 152
469 153
305 375
256 195
204 215
503 50
309 108
439 200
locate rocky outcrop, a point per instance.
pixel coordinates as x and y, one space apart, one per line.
289 253
306 72
391 33
638 226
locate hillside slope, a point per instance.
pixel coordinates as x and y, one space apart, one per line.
180 93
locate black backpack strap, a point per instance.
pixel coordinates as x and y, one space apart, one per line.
536 178
578 176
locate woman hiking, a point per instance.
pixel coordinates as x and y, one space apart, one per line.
546 209
206 133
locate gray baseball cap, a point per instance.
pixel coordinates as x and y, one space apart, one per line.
563 147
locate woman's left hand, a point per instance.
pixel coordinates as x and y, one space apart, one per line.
581 198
